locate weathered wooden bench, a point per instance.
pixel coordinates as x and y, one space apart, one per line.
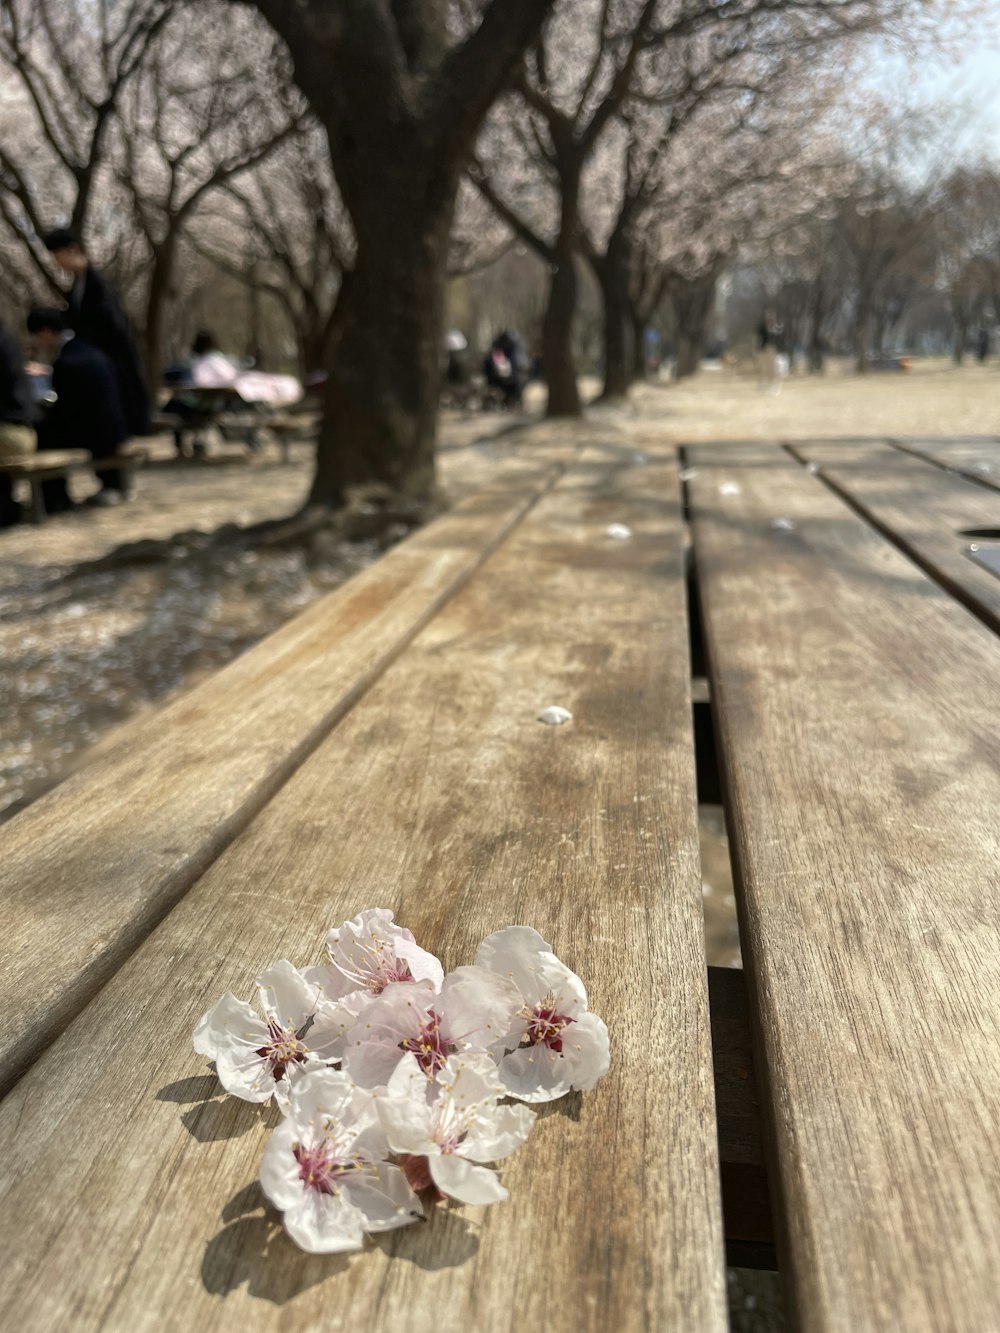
856 709
51 464
839 1114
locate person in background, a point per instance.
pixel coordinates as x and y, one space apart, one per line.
506 367
207 368
97 317
17 418
87 412
770 346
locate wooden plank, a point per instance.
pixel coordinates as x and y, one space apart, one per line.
921 508
89 869
977 458
46 460
858 713
441 797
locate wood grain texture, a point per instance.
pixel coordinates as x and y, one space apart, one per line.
859 716
49 460
441 797
89 869
922 508
977 458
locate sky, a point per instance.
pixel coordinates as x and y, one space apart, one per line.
971 81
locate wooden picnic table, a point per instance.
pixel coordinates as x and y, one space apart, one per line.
834 1110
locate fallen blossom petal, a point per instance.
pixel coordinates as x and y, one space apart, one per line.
368 953
619 532
325 1167
254 1055
462 1127
555 716
554 1044
541 1074
463 1181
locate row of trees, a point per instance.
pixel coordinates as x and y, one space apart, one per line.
340 161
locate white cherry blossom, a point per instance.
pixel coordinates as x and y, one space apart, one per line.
325 1167
446 1141
554 1044
256 1057
368 953
471 1012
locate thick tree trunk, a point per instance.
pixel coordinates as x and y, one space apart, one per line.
558 362
380 424
157 302
693 301
402 109
619 359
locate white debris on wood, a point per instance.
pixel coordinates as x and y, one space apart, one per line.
555 716
619 532
729 488
782 525
688 473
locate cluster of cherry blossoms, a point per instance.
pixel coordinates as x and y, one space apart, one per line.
393 1079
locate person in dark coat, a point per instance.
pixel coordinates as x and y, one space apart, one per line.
17 421
97 317
87 412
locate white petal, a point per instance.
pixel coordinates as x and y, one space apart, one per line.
555 716
587 1045
374 1048
329 1032
245 1074
478 1006
423 965
404 1113
384 1198
226 1017
471 1081
498 1133
619 532
460 1180
286 996
279 1171
328 1095
520 954
325 1224
538 1074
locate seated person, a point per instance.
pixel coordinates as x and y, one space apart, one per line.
17 417
208 368
87 412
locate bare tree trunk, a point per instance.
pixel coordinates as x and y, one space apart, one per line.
558 362
380 425
557 327
693 301
619 323
161 276
401 107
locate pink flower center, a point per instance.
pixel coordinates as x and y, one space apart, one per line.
320 1169
546 1026
389 970
429 1046
283 1048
